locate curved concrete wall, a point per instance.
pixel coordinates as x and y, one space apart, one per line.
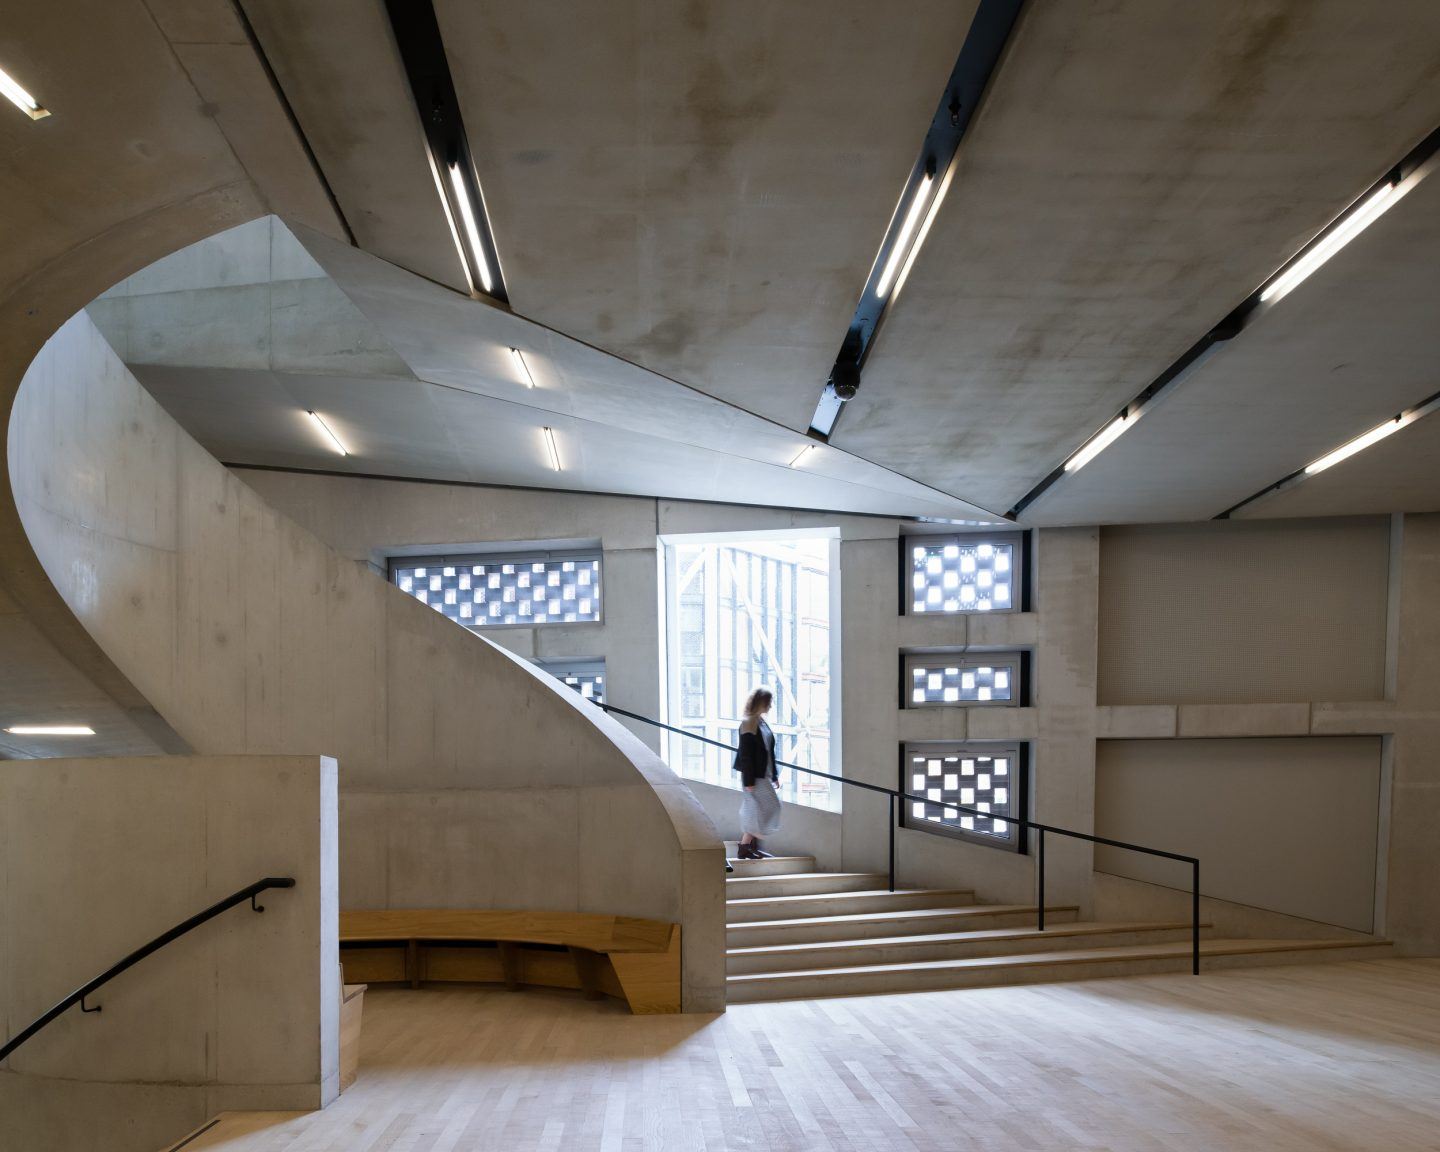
467 778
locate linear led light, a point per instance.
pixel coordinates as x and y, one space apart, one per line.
51 730
802 454
1098 443
554 452
525 377
1366 213
472 229
325 428
907 229
20 98
1359 444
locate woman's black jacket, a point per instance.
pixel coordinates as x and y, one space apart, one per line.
755 758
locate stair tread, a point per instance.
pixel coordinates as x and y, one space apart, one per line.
774 876
1089 928
899 914
749 901
1232 947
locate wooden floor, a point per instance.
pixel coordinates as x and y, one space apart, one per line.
1342 1056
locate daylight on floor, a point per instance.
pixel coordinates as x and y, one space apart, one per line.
786 577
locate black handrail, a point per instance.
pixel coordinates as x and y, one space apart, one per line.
1042 829
249 892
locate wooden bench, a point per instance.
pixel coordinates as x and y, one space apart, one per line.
635 960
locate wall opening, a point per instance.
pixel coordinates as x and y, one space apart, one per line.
746 612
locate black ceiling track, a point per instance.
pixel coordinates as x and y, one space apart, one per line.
1414 165
422 51
984 42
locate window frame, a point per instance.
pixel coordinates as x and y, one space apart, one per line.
1016 660
506 556
1018 541
1020 789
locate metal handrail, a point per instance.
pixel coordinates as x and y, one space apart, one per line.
1042 829
249 892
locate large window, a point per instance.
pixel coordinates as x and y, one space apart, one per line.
743 614
511 590
970 790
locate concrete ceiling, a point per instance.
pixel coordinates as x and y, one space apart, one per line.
242 334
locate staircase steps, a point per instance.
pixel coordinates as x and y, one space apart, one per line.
795 931
1040 967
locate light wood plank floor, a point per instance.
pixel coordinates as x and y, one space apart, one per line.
1341 1056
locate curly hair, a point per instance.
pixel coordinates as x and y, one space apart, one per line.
757 698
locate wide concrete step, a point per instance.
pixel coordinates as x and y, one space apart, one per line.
775 866
894 922
801 884
948 946
1042 967
840 903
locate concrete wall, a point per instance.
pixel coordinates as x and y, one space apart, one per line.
1071 631
1288 825
466 778
97 857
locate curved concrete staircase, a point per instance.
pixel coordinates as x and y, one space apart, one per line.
793 932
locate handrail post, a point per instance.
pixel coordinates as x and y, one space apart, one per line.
892 842
1195 918
1040 868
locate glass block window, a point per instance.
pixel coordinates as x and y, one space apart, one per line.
587 677
937 680
962 574
506 591
970 790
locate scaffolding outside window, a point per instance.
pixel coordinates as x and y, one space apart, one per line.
952 574
742 614
505 590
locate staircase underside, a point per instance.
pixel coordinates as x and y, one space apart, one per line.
794 932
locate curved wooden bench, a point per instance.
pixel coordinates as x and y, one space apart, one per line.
635 960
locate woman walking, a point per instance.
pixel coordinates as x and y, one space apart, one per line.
755 761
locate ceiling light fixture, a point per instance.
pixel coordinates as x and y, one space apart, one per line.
1361 217
554 452
1099 442
20 98
901 248
51 730
1359 444
325 428
472 229
525 377
804 452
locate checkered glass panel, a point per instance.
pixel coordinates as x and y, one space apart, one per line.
948 780
499 591
949 574
590 685
959 684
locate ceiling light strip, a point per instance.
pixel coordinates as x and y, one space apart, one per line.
51 730
802 454
1377 199
328 433
1350 448
526 377
12 91
919 201
552 449
422 51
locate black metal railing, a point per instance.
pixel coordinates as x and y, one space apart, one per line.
1041 830
249 892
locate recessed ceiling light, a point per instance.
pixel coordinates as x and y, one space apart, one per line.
1098 443
1364 214
329 435
472 227
20 98
554 452
51 730
525 377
